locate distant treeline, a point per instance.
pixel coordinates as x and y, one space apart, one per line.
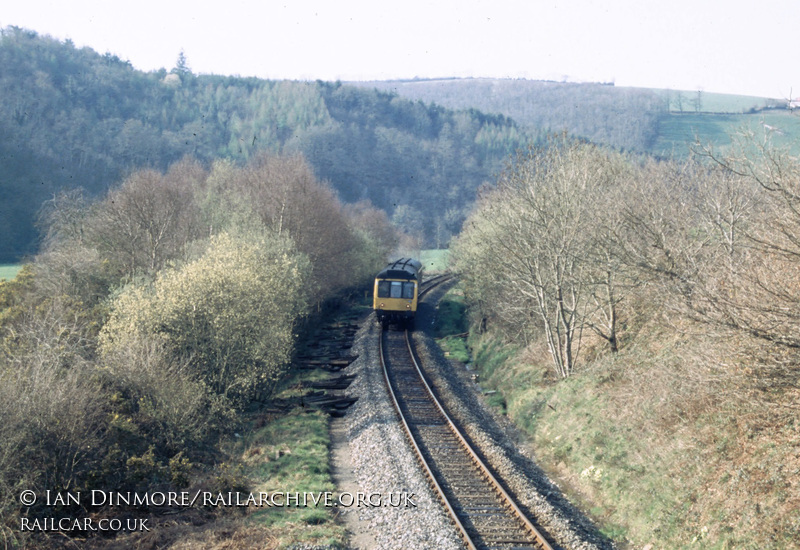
625 118
71 117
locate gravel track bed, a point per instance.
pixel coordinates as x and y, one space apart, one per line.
383 462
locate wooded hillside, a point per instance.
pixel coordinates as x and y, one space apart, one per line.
625 118
71 117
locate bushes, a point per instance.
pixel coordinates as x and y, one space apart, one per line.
283 195
705 257
230 313
131 342
52 412
159 395
177 356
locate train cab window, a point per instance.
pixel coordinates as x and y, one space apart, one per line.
408 291
397 289
383 289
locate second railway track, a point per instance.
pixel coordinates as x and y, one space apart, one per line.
485 514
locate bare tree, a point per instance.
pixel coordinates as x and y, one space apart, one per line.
147 221
755 209
608 278
290 200
64 217
545 236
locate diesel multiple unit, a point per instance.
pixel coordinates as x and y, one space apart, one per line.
396 292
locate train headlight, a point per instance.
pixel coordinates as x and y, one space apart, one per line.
381 305
408 306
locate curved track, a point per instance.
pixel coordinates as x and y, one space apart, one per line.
483 511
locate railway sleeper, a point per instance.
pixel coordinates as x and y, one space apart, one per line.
460 480
471 497
481 510
443 448
506 535
517 542
509 538
488 512
461 483
434 440
464 483
462 470
488 526
427 413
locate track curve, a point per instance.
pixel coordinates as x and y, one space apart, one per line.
485 514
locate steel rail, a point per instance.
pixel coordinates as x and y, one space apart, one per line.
485 471
429 473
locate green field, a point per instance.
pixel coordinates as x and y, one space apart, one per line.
678 132
434 260
707 102
9 271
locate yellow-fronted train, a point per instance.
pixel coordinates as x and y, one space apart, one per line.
396 292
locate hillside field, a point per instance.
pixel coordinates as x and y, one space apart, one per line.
677 132
716 103
9 271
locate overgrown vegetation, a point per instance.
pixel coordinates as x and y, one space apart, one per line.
450 325
538 253
292 452
683 434
639 318
154 316
233 311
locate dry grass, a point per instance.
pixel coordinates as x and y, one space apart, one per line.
687 438
190 531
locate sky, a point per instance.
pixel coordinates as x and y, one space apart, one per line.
732 46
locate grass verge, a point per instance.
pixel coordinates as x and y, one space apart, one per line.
651 456
290 454
450 326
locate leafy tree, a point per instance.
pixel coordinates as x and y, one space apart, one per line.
376 237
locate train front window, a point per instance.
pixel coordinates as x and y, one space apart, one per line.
397 289
408 291
383 289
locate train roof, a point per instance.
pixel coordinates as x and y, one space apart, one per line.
404 268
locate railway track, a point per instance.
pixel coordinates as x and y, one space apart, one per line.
484 513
